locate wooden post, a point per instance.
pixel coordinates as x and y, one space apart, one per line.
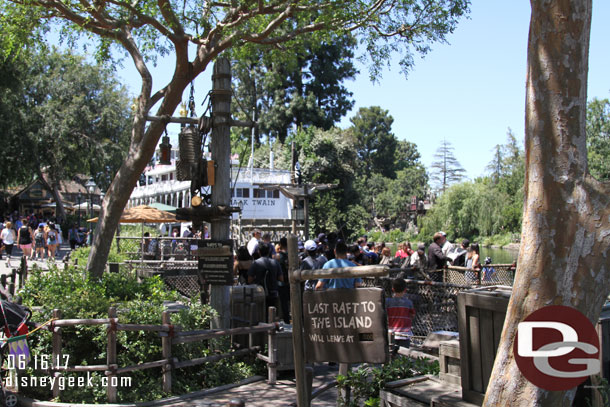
272 346
166 349
297 322
56 347
12 284
309 382
3 278
220 148
306 211
111 357
251 318
23 270
344 368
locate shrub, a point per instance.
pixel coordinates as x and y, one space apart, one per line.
367 381
79 296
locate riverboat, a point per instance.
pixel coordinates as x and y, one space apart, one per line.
266 209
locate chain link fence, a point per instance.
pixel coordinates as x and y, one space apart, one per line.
435 302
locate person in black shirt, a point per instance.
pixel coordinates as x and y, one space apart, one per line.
436 258
266 272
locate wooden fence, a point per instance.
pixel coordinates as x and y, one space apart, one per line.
170 335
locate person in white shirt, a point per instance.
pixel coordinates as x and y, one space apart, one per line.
253 243
8 239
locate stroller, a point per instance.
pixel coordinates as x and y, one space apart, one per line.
14 324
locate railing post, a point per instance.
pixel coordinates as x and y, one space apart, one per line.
251 317
11 285
297 322
23 271
272 345
56 345
166 345
111 357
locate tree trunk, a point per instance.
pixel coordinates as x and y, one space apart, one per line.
142 148
563 259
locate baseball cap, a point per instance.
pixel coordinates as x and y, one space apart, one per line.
322 237
310 245
442 233
421 247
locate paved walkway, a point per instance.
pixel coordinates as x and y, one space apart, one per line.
62 251
262 394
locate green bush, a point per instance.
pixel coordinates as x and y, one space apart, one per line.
78 296
367 381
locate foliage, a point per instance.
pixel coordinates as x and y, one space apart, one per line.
305 90
489 206
446 169
78 296
367 381
72 117
598 138
375 145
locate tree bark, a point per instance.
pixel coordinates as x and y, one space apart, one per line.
563 259
142 148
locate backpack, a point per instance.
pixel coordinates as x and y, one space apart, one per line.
39 238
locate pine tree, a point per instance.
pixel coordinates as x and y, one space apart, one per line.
446 169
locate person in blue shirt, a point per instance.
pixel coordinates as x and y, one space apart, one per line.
340 260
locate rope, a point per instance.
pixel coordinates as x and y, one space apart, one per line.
16 338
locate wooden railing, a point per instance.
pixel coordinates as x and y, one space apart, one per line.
170 335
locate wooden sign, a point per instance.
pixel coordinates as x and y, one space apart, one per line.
345 326
216 261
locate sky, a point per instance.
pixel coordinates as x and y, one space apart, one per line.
469 91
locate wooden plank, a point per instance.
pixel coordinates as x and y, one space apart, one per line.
464 348
498 323
488 353
490 302
166 351
475 349
344 272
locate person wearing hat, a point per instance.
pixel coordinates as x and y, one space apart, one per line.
313 261
418 259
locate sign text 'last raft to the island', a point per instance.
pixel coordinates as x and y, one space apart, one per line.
345 326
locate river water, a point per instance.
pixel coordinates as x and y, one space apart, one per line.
499 256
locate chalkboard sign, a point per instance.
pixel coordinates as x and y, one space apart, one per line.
216 261
345 326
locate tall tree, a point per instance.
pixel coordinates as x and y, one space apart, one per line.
598 138
446 169
71 116
375 143
148 28
565 242
304 89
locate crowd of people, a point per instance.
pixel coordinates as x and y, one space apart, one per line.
37 238
265 264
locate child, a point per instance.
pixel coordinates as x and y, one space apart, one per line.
400 313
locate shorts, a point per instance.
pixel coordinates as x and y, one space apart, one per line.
26 246
9 249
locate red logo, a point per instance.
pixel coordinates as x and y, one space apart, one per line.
557 348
